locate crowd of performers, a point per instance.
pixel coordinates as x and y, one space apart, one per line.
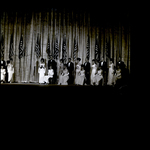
97 73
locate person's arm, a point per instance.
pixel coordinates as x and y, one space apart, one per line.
52 72
66 73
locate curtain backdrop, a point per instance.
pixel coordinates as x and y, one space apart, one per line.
59 23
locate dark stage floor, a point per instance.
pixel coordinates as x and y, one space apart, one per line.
54 91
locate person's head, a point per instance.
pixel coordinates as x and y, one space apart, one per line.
96 60
2 58
2 67
61 60
50 57
111 60
78 60
11 60
42 60
118 67
82 67
102 58
119 58
86 59
69 59
93 61
99 68
65 66
50 67
8 61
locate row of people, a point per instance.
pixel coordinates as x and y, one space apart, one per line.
83 74
66 74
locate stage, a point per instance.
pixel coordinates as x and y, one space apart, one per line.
54 91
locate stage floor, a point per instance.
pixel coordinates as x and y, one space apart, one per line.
65 90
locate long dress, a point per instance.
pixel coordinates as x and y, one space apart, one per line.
111 74
61 66
64 77
3 72
10 69
98 77
94 68
81 77
78 69
41 72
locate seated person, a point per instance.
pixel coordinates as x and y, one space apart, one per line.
99 75
63 80
117 75
50 74
81 76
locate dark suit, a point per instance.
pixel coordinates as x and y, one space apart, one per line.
87 72
105 70
121 64
123 70
70 67
54 67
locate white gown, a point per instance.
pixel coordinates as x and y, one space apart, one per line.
41 72
94 68
78 69
10 69
3 72
111 74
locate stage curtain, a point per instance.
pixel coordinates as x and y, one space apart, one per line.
52 23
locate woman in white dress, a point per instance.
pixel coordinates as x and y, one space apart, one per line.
42 71
78 69
61 67
93 73
99 75
81 76
111 73
10 70
3 72
64 76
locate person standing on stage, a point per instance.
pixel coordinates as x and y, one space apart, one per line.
3 72
52 63
42 71
70 67
81 76
10 70
121 64
99 76
78 69
103 66
93 73
3 63
87 71
61 67
111 73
